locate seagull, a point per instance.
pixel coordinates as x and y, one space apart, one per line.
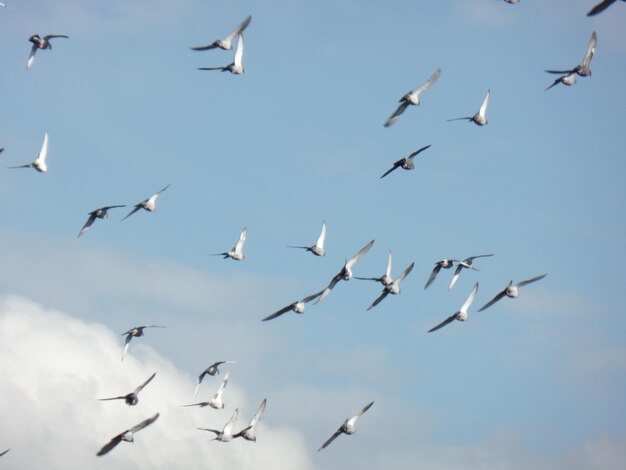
582 69
149 204
126 435
212 370
226 434
135 332
297 306
467 263
348 427
39 43
237 66
412 98
480 118
393 288
100 213
40 163
236 252
226 44
568 80
445 264
511 291
461 315
249 434
216 401
318 248
131 399
600 7
346 271
2 453
385 279
406 163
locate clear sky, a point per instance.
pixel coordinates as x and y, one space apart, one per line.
533 382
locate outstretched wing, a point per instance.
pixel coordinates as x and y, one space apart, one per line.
397 113
433 275
43 153
320 240
352 261
239 52
144 423
395 165
493 301
259 413
433 78
600 7
90 220
450 319
31 56
379 299
591 49
136 208
405 273
330 439
140 388
279 312
528 281
483 107
470 299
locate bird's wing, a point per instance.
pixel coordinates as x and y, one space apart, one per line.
433 78
561 71
135 209
212 68
140 388
591 49
28 165
308 298
379 299
161 190
556 82
215 431
365 408
470 299
202 403
259 413
220 391
126 343
493 301
395 165
388 271
330 439
460 119
50 36
241 241
322 238
112 398
90 220
144 423
433 275
483 107
601 7
110 445
231 422
472 258
397 113
43 153
528 281
4 452
352 261
327 289
405 273
239 51
213 45
239 29
279 312
457 271
106 208
31 56
450 319
418 151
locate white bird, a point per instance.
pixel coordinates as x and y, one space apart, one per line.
226 43
467 263
101 213
346 271
445 264
480 118
226 434
250 433
217 401
236 252
40 163
412 98
131 399
385 279
237 66
126 435
318 248
512 291
297 307
348 427
461 315
600 7
583 68
212 370
40 43
393 288
149 204
135 333
405 163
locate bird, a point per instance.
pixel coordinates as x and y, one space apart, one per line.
149 204
135 332
318 248
40 163
393 288
100 213
131 399
212 370
582 69
227 43
445 264
600 7
385 279
348 427
467 263
236 67
216 401
40 43
4 452
126 435
480 118
512 2
297 307
236 252
250 432
461 315
568 80
3 5
406 162
1 149
226 434
346 271
512 291
412 98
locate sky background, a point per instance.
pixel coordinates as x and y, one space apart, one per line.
535 382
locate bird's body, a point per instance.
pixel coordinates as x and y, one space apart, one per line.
212 370
412 98
393 288
348 427
226 43
480 118
460 315
148 205
405 163
318 248
40 43
135 332
40 162
101 213
439 265
511 291
131 399
236 67
217 401
296 307
127 436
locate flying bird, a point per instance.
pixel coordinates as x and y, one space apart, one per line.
582 69
1 149
216 401
346 271
393 288
40 163
461 315
40 43
212 370
226 434
126 435
600 7
445 264
4 452
131 399
318 248
348 427
297 307
100 213
236 252
235 67
3 5
512 291
406 163
568 80
250 432
512 2
149 204
135 333
467 263
226 43
480 118
385 279
412 98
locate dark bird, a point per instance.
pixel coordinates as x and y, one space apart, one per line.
461 315
412 98
406 163
467 263
582 69
348 427
40 43
393 288
600 7
480 118
4 452
297 307
445 264
149 204
212 370
100 213
135 333
126 435
512 291
227 43
131 399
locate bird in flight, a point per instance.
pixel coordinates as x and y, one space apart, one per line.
212 370
236 252
226 434
600 7
135 333
393 288
405 163
445 264
126 435
512 291
101 213
467 263
461 315
582 69
131 399
412 98
226 43
318 248
480 118
216 401
236 67
40 163
297 307
40 43
250 433
348 427
569 80
385 279
149 204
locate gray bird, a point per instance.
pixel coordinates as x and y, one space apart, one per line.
412 98
100 213
236 67
582 69
348 427
40 43
512 291
226 43
405 163
600 7
148 205
135 333
297 307
212 370
126 435
131 399
393 288
467 263
480 118
318 248
445 264
461 315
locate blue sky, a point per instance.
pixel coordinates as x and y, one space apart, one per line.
298 139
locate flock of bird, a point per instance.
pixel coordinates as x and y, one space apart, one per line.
389 284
